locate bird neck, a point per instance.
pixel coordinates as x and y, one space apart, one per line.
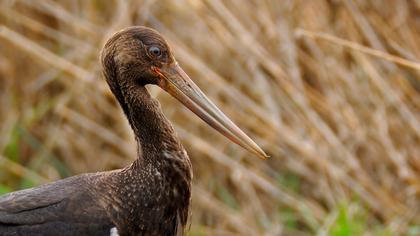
154 133
162 168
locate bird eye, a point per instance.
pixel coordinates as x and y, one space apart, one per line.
155 51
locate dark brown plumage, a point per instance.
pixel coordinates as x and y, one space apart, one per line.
152 195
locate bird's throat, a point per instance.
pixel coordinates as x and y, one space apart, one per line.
153 131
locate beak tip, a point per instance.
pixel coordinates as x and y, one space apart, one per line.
261 154
264 156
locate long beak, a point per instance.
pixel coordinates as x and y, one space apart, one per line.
177 83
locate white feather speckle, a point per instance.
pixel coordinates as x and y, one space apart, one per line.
114 232
157 174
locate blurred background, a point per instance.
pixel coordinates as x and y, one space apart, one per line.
329 89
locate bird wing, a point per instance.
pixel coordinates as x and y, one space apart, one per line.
47 202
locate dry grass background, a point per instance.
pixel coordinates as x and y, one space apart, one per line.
330 89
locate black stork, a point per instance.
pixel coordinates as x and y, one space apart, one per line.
152 195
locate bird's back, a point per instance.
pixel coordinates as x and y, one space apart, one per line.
119 202
65 207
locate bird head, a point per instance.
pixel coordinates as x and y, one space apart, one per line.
142 55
